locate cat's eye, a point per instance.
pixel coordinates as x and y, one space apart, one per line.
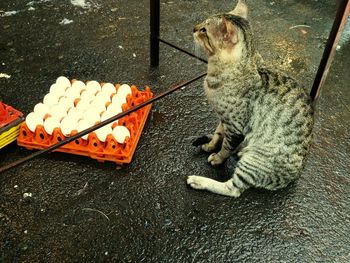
203 30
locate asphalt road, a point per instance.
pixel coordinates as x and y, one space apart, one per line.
85 211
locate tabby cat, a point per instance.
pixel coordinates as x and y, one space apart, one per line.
266 118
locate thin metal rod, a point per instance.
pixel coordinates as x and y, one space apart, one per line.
155 25
182 50
97 126
330 48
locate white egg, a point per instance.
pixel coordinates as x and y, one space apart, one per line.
118 100
72 93
108 93
51 99
33 120
94 86
58 112
63 81
83 125
66 103
103 132
92 116
87 95
83 105
106 115
68 124
50 124
115 108
88 111
103 97
75 114
78 85
41 110
57 90
108 88
70 99
120 133
97 103
124 90
99 108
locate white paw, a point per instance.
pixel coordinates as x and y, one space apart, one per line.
215 159
196 182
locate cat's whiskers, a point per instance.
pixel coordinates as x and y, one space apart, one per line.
197 50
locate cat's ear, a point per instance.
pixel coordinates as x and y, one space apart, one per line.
241 9
228 30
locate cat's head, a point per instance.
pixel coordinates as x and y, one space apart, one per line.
226 36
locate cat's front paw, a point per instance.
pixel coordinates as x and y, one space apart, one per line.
208 147
196 182
216 159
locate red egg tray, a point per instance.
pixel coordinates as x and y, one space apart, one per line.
10 120
8 114
110 150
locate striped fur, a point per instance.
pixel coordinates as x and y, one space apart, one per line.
266 117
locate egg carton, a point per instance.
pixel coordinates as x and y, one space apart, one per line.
73 106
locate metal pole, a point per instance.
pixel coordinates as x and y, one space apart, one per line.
155 25
182 50
331 45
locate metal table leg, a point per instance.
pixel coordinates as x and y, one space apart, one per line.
155 24
331 45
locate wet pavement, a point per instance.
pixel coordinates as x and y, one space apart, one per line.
84 211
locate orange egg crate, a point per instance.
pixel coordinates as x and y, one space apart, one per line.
110 149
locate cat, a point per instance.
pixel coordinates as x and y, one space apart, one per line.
266 117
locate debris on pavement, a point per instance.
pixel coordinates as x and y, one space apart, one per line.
304 32
26 195
4 75
66 21
8 13
296 26
82 190
95 210
80 3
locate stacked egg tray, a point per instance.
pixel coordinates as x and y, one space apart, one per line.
10 120
73 106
